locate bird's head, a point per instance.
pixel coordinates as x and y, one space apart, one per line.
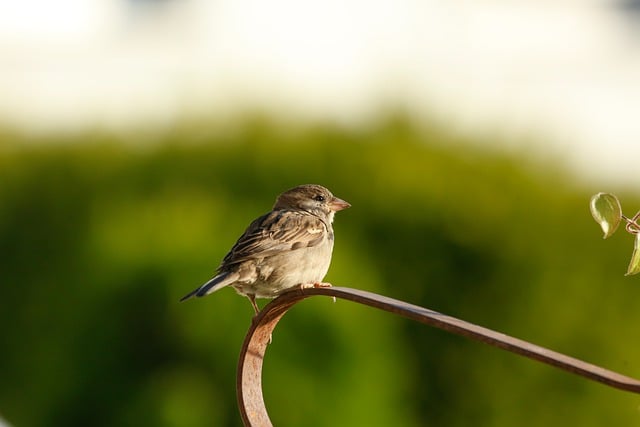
312 198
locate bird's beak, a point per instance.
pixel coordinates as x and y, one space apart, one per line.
338 204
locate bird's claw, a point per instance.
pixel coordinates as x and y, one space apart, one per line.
315 285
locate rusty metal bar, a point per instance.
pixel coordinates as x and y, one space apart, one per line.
249 377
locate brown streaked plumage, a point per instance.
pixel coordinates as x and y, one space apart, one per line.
289 247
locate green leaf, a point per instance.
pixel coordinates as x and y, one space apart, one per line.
607 212
634 265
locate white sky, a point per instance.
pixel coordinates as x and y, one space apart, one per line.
564 71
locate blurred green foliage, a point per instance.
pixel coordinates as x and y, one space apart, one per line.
100 237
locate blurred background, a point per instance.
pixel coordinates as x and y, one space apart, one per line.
138 138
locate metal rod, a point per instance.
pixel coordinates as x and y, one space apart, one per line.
249 377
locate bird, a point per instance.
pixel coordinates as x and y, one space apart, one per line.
286 248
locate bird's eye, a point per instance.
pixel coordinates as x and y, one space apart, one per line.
319 198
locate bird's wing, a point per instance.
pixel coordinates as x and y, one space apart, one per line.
275 232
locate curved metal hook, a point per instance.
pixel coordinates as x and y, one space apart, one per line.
249 377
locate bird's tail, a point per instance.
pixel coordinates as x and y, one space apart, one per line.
218 282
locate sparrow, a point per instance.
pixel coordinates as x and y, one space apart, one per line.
289 247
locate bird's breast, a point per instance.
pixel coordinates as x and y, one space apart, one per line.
293 268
